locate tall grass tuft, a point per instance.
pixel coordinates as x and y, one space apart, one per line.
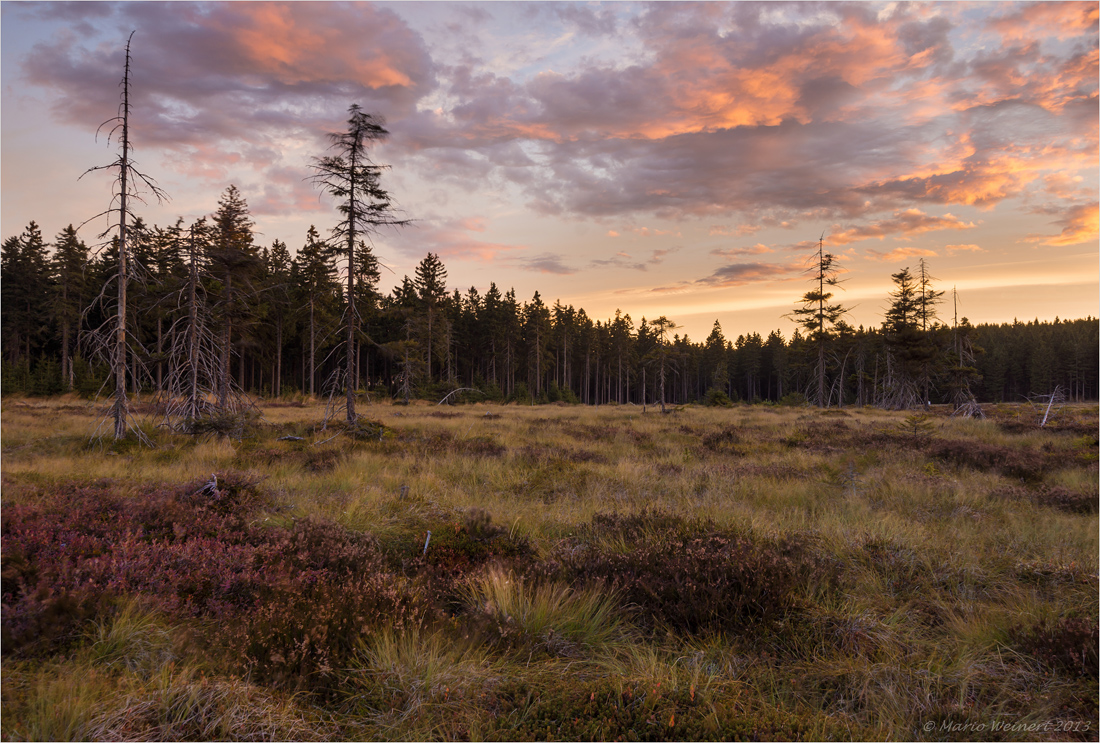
551 614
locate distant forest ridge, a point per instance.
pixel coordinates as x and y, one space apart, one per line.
419 340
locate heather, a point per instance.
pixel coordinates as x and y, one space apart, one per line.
551 573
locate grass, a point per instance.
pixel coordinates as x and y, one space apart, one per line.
751 572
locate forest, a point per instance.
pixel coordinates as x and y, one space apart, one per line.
285 312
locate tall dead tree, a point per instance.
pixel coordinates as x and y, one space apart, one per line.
354 180
129 182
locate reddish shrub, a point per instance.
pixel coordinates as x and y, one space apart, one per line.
306 632
1024 464
1069 644
691 577
1067 500
725 441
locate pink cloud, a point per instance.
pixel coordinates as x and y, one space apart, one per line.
451 239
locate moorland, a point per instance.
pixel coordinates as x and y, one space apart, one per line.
489 571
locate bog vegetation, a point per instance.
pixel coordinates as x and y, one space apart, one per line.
489 571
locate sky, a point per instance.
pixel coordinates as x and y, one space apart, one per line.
676 159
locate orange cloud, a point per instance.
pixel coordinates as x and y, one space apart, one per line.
900 254
1064 19
908 222
1081 224
739 231
757 249
952 249
287 41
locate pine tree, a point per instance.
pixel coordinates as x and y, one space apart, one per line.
908 347
232 261
661 353
27 288
430 281
69 261
317 277
818 316
354 181
278 262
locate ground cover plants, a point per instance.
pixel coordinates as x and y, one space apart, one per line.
551 572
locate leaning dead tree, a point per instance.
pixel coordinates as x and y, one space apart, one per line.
110 341
354 180
1051 404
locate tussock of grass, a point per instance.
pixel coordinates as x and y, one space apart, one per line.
550 615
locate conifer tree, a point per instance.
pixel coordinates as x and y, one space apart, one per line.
430 280
354 180
69 261
232 261
818 316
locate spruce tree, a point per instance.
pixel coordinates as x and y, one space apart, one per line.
818 315
69 262
354 181
232 261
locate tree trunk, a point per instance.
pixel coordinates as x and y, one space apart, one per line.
312 350
350 375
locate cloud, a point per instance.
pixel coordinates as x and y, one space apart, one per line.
625 260
952 249
757 249
901 254
1080 224
450 238
644 232
740 230
1063 19
744 114
907 222
546 263
736 274
209 82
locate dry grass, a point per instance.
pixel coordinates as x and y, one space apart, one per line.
945 561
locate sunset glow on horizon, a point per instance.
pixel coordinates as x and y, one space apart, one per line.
667 158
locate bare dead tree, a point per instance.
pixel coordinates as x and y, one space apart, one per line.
1054 403
130 184
194 399
962 370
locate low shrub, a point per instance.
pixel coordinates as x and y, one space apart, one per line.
717 397
1068 644
692 578
305 633
470 542
323 459
1023 464
289 603
725 441
1064 499
613 709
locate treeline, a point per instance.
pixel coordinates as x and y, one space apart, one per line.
275 320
